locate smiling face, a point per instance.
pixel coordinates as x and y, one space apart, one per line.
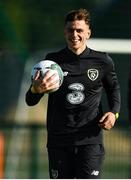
77 32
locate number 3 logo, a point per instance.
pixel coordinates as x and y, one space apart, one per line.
76 96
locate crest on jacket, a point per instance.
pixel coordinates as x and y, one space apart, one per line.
54 173
92 74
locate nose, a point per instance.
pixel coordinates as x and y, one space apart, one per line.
74 33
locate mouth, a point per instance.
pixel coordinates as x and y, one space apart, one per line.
74 41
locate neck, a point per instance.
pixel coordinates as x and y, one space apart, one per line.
78 51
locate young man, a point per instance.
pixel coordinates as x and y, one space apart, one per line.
75 119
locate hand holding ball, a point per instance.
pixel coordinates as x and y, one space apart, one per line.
50 69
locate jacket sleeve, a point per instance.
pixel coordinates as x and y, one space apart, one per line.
111 85
32 98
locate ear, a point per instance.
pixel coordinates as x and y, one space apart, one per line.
88 34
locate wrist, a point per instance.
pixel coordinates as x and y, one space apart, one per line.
116 115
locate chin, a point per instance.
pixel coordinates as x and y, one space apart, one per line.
75 47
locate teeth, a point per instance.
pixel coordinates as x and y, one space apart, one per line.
75 40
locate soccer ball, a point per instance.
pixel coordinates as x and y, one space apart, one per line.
43 67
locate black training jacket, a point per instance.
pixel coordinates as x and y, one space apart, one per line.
75 109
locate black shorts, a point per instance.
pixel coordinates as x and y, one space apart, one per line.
81 162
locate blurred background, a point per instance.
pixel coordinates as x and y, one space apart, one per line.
28 31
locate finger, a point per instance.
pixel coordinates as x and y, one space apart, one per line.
105 127
51 77
51 85
103 118
51 74
37 75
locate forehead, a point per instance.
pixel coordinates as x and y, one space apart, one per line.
76 24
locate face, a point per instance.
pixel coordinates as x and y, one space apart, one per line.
77 33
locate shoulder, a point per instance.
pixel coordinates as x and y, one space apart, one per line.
56 56
103 56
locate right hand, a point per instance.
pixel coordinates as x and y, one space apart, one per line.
43 85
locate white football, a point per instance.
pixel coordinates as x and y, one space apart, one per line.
46 65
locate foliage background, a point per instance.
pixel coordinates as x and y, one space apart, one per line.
28 30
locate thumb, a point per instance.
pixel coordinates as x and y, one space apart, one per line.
103 117
37 75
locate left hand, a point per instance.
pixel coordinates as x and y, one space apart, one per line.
107 121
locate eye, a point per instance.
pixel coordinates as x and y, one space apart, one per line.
70 30
79 30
